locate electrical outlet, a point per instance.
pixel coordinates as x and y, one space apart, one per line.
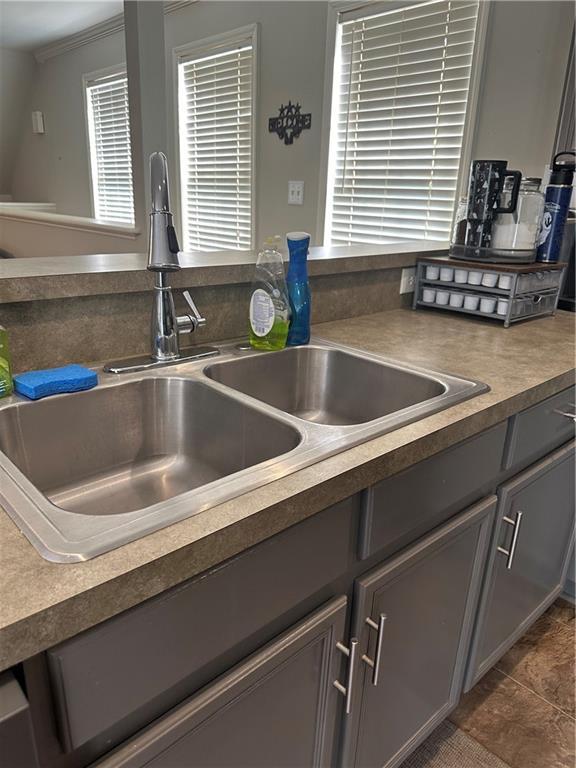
408 280
295 193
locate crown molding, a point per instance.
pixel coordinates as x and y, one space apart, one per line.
89 35
175 5
96 32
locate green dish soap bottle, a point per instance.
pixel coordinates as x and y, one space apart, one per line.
6 383
269 304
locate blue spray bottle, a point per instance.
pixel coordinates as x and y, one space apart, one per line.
557 202
298 288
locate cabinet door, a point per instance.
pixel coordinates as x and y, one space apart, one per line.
428 595
531 547
278 708
17 748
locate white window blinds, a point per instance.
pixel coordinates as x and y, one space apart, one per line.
399 105
215 103
110 155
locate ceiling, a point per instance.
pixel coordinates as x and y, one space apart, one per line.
29 24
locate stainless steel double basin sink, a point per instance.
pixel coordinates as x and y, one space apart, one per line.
83 473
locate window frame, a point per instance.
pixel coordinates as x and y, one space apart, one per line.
360 8
88 79
247 34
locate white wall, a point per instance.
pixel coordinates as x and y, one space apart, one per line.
54 166
292 37
527 50
17 70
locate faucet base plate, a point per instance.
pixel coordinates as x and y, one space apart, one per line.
146 363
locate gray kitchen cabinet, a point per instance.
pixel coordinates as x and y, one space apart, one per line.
420 605
112 680
278 708
405 506
538 430
530 551
17 743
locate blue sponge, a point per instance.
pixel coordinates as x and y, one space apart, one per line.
53 381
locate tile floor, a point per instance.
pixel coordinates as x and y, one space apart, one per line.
522 711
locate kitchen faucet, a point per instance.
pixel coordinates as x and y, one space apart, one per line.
163 259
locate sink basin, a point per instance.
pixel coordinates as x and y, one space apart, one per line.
326 386
137 444
84 473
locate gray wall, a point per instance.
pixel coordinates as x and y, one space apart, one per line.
525 62
526 57
54 167
17 70
292 39
526 54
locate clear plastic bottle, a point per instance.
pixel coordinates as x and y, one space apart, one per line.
298 288
269 318
6 384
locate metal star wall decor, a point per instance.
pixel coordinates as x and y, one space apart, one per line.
290 122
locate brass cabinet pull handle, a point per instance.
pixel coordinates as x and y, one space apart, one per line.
375 663
512 551
346 690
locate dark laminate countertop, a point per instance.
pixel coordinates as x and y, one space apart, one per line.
43 603
58 277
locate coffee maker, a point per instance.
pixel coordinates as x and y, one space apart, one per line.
491 211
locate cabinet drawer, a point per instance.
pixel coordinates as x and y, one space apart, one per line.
540 429
405 506
111 680
16 738
277 708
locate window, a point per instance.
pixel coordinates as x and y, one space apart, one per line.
109 141
215 115
400 97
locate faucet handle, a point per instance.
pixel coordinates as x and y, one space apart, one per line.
195 320
172 240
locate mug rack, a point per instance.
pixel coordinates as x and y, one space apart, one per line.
503 292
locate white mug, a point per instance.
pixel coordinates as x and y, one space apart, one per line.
490 279
456 299
487 305
446 274
442 297
471 302
474 278
505 281
461 276
432 272
502 308
429 295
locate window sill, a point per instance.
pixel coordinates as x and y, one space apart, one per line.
64 221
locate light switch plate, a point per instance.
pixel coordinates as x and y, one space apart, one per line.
408 280
37 122
295 193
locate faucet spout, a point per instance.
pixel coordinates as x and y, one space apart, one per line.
159 183
163 244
